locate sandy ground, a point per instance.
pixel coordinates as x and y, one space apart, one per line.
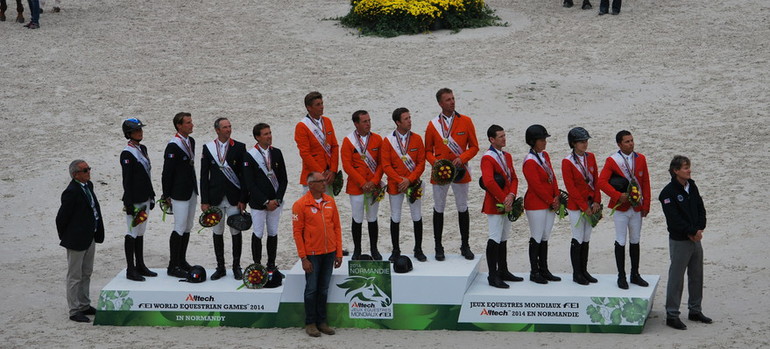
683 77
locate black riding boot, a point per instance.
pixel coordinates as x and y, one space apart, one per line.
272 251
175 245
492 258
256 249
633 252
577 270
131 272
219 253
584 262
567 3
534 270
616 6
465 231
237 249
418 241
620 261
604 7
438 229
183 252
374 232
502 263
355 229
394 232
139 252
586 5
544 263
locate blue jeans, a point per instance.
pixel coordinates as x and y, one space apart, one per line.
317 287
34 10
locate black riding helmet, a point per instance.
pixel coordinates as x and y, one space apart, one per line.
534 133
131 125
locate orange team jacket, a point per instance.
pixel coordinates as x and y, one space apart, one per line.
490 164
314 157
580 192
640 172
394 167
356 168
316 226
540 194
463 132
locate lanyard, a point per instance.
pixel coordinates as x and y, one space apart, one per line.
221 155
266 159
186 143
446 130
363 147
582 166
629 169
502 161
402 147
321 128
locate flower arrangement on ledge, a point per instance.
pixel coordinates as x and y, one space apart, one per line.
391 18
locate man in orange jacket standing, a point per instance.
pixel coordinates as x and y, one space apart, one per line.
361 161
318 236
624 169
451 136
317 142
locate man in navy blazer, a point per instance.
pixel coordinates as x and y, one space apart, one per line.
80 226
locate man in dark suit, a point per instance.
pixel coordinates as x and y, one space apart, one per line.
264 175
138 198
221 186
80 226
180 190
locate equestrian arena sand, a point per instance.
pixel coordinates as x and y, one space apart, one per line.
685 77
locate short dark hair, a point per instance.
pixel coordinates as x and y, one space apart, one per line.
217 121
179 117
676 164
357 115
492 130
620 135
258 129
397 113
442 92
312 96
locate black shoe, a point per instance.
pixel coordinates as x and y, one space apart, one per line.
465 251
420 255
495 281
237 272
133 275
617 12
586 5
579 279
602 12
440 254
92 311
394 255
637 280
219 273
376 255
176 272
537 278
508 276
699 317
80 317
567 3
676 323
622 282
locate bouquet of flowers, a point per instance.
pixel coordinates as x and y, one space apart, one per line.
562 210
414 192
210 217
337 184
165 208
255 276
634 196
517 209
376 194
443 172
593 219
139 216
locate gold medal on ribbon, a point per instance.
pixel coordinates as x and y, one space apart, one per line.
446 141
363 157
403 158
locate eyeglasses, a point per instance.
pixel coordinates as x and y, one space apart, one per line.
85 170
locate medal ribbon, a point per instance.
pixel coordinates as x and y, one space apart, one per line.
545 166
140 156
503 163
403 150
583 168
320 134
268 161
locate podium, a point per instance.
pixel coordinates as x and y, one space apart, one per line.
448 295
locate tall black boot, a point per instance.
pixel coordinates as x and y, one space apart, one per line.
465 231
175 244
438 229
374 232
183 252
237 249
633 252
534 270
620 261
544 263
492 258
355 230
616 6
418 241
131 273
577 270
502 263
272 251
219 253
394 232
584 262
139 252
604 7
256 249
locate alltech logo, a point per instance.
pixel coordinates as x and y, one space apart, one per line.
196 298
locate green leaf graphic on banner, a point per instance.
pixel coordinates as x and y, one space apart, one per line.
598 300
616 310
615 317
634 312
